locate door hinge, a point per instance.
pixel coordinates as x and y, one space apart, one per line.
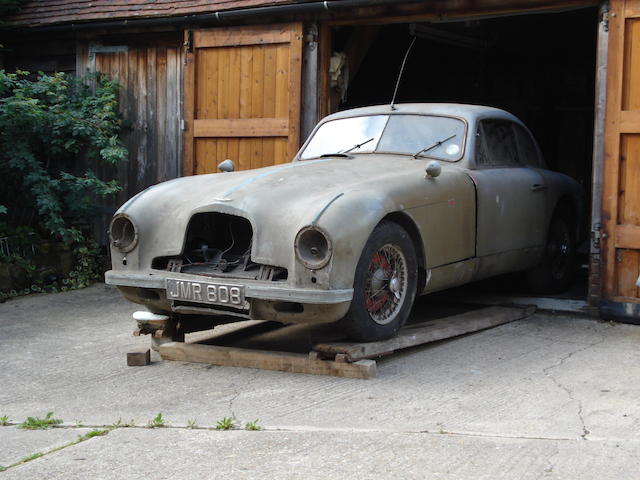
188 43
597 235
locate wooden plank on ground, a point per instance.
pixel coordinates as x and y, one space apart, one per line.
266 360
427 332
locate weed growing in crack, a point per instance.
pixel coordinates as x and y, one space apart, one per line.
93 433
120 424
33 456
157 422
35 423
227 423
253 425
191 424
4 421
80 439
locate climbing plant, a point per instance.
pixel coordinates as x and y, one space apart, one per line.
51 128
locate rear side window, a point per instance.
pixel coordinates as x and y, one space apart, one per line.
496 145
527 149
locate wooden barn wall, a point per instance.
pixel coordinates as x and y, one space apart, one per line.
150 75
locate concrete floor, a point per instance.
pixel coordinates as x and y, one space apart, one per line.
544 397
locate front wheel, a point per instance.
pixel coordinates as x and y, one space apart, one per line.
384 286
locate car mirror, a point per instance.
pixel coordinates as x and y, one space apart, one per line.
226 166
433 169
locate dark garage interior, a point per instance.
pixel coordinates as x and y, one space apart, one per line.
540 67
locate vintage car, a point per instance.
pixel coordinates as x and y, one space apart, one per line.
380 204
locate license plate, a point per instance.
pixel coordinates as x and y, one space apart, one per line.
205 292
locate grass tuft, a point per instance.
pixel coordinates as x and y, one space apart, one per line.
35 423
253 425
157 422
227 423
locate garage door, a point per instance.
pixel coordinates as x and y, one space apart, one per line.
242 96
621 200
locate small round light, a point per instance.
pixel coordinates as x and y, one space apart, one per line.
123 233
313 247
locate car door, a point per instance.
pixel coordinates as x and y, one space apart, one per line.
511 200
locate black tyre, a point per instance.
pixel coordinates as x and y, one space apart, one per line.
555 273
384 286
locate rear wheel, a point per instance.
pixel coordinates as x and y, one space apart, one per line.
555 273
384 285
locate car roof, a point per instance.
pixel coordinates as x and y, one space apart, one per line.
468 112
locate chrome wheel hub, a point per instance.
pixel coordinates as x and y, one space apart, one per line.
386 284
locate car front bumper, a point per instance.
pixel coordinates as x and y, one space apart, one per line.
253 289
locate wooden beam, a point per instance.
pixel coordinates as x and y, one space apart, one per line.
632 9
627 236
418 13
431 331
241 127
325 46
234 37
188 161
611 167
630 121
265 360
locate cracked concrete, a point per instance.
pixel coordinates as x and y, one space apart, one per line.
545 397
547 372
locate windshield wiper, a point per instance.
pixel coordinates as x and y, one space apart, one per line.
357 145
435 145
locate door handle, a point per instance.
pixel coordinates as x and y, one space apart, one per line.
538 187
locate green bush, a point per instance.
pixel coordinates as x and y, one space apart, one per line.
51 129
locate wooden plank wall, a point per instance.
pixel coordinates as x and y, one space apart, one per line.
151 107
621 198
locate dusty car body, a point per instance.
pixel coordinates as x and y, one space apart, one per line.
460 191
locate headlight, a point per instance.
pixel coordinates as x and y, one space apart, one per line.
313 247
123 233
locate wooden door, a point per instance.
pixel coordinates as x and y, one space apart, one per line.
242 96
621 187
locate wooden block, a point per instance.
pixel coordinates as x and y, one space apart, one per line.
265 359
139 359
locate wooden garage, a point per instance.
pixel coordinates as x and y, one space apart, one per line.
247 80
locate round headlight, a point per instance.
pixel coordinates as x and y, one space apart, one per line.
313 247
123 233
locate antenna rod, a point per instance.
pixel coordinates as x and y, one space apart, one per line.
406 55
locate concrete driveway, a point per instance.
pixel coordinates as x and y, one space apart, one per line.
545 397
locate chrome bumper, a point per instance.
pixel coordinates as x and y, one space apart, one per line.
253 289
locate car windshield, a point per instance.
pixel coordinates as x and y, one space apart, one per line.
426 135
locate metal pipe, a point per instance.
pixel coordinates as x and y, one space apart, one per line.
225 16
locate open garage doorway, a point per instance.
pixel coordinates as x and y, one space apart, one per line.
540 67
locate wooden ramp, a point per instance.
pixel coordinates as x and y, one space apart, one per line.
318 350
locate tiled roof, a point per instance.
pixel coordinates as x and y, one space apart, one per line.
51 12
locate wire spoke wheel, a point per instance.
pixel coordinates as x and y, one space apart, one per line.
386 284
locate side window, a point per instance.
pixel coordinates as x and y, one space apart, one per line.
496 145
527 148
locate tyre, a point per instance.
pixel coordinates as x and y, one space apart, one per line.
555 273
384 286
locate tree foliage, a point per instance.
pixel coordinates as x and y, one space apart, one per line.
51 129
